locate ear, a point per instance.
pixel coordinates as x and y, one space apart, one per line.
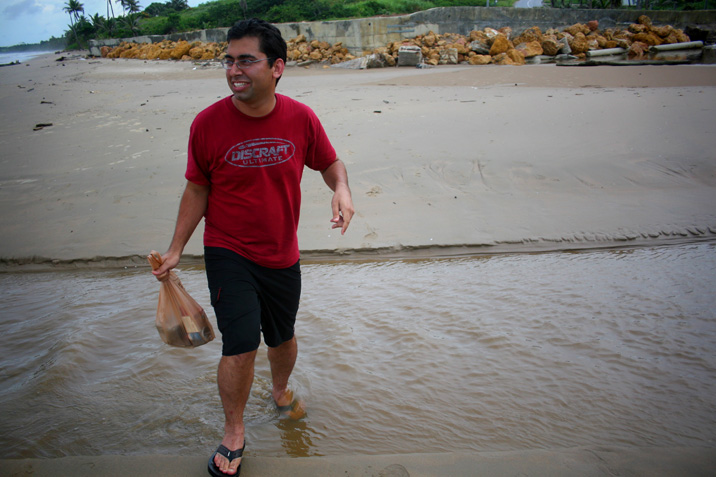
278 67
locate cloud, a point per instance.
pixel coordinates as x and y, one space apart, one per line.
25 7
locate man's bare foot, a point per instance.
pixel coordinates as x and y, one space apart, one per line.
289 406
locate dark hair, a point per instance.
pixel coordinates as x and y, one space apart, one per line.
271 43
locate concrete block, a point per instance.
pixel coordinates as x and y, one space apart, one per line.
409 55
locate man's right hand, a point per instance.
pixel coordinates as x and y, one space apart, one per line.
169 261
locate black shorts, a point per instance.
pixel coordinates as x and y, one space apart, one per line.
249 299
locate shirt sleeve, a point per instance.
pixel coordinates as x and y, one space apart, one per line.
197 169
321 153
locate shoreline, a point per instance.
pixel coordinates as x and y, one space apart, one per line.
488 159
584 461
427 252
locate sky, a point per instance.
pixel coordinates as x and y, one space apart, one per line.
32 21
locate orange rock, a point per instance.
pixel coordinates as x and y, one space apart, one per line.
516 56
577 28
500 45
529 50
649 38
579 44
550 45
480 60
182 48
531 34
644 20
502 59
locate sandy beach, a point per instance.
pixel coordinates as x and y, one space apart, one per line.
446 161
442 161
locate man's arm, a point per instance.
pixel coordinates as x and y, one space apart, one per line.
191 209
336 178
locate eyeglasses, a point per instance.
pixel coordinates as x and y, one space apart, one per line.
240 63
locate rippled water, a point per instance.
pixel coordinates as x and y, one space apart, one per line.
488 353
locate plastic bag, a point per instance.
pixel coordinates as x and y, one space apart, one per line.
181 321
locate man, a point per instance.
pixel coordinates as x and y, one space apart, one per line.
247 153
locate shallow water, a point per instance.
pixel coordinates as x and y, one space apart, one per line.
487 353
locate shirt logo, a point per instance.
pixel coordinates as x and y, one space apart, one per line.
260 152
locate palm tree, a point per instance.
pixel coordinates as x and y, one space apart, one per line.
110 8
131 21
133 6
101 25
74 8
124 4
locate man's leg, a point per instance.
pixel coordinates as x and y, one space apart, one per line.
282 359
235 376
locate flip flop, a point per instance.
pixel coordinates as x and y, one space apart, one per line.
294 411
229 454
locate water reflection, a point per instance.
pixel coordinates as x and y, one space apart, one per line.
489 353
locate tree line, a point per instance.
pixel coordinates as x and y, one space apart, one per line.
175 16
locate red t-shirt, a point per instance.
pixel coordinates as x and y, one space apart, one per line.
254 167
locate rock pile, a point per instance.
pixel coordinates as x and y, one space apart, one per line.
166 50
301 50
502 47
480 47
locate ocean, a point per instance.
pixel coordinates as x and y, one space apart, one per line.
21 56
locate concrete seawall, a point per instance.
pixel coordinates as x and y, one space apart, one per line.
368 33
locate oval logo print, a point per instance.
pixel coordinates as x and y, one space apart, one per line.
260 152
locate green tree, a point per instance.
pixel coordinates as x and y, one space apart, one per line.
74 8
133 6
131 22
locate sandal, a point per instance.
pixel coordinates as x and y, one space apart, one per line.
229 454
294 411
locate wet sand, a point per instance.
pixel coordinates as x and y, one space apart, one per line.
442 161
582 461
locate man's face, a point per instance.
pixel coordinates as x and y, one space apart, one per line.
256 82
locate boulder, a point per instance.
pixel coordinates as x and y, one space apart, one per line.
375 61
491 34
550 45
644 20
476 35
480 46
479 59
448 56
502 59
516 56
196 53
530 49
429 40
637 28
579 44
500 45
577 28
565 50
649 38
182 48
637 50
529 35
662 31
